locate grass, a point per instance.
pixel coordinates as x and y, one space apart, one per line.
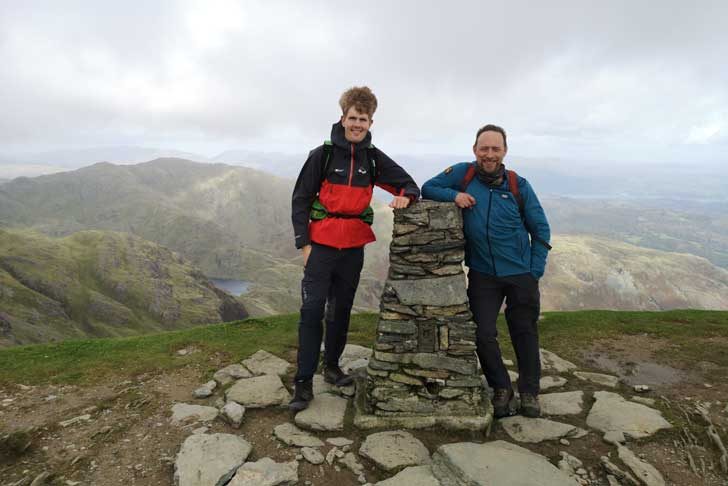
686 333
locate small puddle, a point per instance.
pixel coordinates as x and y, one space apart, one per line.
632 373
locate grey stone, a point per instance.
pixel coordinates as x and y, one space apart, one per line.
598 378
209 460
552 362
566 403
331 456
312 455
397 327
395 449
611 412
432 361
412 476
184 412
75 420
259 392
266 472
205 390
349 460
445 217
614 437
495 464
339 441
441 291
325 412
644 471
641 388
233 414
231 373
535 430
548 382
353 352
292 435
411 404
265 363
356 366
645 401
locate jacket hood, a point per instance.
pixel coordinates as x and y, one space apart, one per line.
338 138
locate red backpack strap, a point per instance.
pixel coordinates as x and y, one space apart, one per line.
468 177
513 188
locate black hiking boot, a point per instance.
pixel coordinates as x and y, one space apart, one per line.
302 395
503 402
530 407
334 375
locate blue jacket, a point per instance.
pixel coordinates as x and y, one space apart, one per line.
497 240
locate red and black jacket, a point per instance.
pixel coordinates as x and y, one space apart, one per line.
345 189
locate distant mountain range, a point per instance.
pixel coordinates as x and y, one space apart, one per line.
234 222
99 284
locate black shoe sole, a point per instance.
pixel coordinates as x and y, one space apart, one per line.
345 382
298 406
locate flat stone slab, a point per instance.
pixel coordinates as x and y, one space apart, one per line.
325 412
205 460
598 378
644 471
535 430
612 413
548 382
339 441
233 414
185 412
259 392
320 386
441 291
266 472
395 449
552 362
292 435
312 455
231 373
354 352
565 403
412 476
205 390
265 363
496 463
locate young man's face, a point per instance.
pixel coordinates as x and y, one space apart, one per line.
356 125
489 151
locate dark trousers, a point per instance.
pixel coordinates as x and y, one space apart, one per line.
486 294
330 275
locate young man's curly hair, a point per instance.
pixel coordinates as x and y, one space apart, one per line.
360 98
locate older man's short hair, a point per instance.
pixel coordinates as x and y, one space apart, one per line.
492 128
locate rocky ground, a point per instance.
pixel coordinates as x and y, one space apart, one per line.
635 421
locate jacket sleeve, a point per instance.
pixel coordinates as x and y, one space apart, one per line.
394 179
445 185
537 225
305 191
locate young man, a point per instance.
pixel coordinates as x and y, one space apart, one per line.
331 220
500 212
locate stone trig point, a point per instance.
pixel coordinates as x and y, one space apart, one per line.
424 368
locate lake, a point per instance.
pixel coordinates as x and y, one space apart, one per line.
234 287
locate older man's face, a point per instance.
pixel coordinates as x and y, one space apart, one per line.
489 151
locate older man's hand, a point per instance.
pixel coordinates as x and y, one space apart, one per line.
399 202
464 200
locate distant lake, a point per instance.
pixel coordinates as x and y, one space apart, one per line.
234 287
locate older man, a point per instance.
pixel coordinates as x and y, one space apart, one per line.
500 212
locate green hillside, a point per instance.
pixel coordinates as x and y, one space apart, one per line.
99 283
686 336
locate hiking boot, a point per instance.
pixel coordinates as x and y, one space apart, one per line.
503 405
334 375
530 406
302 395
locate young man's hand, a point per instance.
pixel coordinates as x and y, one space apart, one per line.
464 200
399 202
306 253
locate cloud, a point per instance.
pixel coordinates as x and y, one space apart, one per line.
565 78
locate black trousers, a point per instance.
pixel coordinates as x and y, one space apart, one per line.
330 275
486 294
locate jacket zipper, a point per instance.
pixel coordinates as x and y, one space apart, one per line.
351 169
487 232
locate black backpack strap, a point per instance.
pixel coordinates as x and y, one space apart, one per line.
372 158
328 150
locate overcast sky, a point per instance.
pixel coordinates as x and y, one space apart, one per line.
626 81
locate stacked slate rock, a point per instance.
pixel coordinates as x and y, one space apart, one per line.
424 364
